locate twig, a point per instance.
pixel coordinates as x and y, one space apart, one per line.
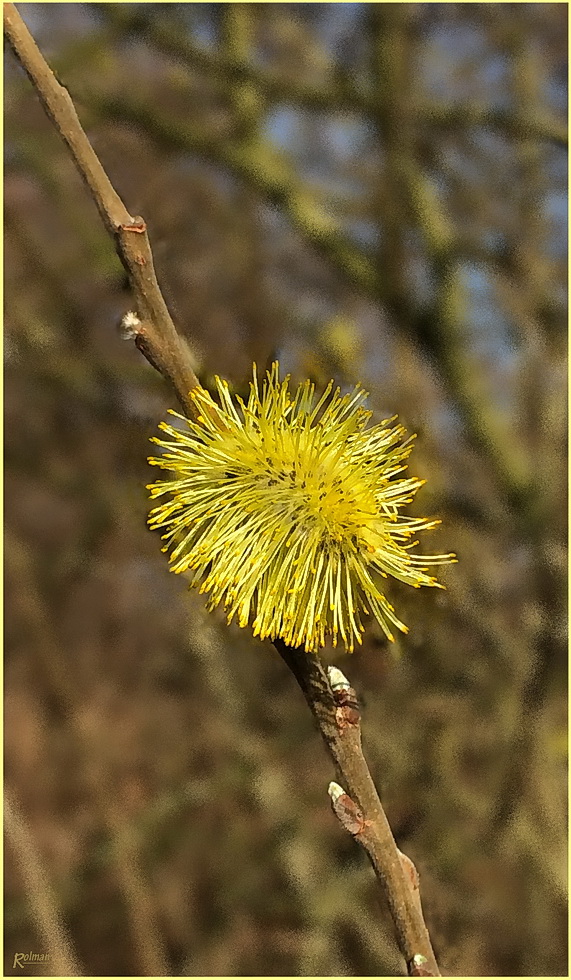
338 719
155 335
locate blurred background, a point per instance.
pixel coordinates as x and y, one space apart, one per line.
369 192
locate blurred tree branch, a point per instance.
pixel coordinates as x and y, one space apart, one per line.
436 328
139 902
40 891
263 168
340 92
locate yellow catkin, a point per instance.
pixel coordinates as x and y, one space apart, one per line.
286 510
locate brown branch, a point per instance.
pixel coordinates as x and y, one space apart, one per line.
156 335
338 719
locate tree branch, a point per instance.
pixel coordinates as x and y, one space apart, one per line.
156 336
40 891
339 93
338 720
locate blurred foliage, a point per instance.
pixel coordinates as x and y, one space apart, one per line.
371 192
